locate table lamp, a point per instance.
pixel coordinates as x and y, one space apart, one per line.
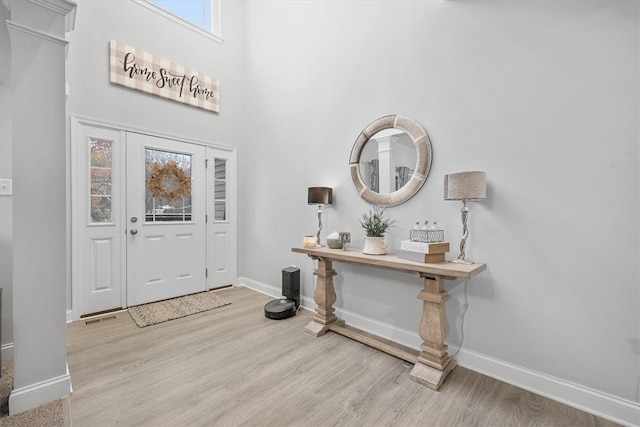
319 196
465 186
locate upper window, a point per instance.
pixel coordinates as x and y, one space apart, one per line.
203 16
195 11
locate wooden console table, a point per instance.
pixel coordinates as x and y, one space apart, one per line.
432 363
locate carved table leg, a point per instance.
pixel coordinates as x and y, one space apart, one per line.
324 297
434 363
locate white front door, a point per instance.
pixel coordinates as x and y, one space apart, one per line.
165 218
174 245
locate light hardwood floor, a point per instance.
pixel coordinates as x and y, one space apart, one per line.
231 366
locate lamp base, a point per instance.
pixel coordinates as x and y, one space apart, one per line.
463 261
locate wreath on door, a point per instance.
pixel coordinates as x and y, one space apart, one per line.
168 181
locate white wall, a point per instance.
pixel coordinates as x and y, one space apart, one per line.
543 96
93 96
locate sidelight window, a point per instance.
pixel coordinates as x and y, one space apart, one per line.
101 180
220 189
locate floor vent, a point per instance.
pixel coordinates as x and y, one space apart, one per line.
99 320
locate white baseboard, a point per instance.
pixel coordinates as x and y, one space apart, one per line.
6 352
595 402
34 395
263 288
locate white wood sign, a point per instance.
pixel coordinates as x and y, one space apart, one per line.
137 69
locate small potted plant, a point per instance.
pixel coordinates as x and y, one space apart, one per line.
375 226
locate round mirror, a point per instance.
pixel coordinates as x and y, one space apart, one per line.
390 160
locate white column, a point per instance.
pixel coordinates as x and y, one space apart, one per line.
39 159
386 164
6 212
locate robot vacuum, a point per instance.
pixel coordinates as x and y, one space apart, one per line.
280 309
287 306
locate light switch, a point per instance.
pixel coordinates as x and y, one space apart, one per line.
5 187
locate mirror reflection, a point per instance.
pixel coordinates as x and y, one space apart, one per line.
388 161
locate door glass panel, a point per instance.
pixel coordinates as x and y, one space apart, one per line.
101 180
168 186
220 189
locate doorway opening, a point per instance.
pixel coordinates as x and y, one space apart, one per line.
153 217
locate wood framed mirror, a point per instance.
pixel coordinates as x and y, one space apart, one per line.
390 160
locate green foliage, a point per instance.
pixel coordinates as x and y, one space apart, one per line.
374 222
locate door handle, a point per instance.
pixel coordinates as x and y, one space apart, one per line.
134 231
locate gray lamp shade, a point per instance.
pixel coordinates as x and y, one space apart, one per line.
465 186
320 196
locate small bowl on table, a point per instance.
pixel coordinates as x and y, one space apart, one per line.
334 244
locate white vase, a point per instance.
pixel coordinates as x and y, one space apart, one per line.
374 246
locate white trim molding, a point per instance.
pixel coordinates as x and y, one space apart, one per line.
6 351
61 7
595 402
37 394
128 127
36 33
66 8
39 34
